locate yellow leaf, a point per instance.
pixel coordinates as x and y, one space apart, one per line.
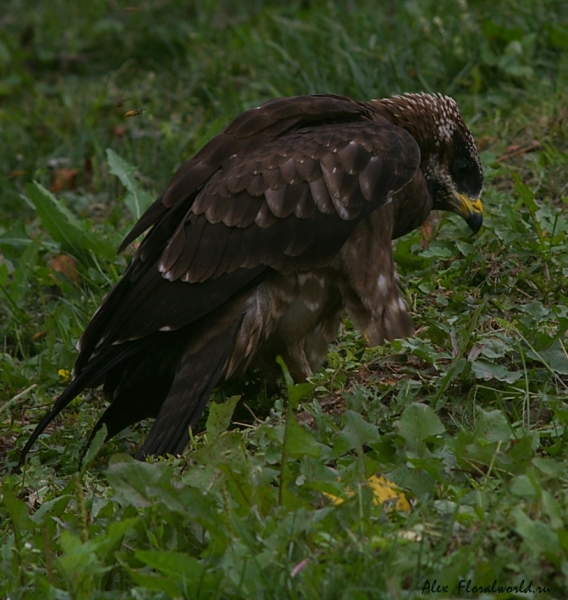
384 492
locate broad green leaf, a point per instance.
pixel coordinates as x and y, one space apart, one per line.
451 374
225 449
355 434
145 484
137 199
549 466
494 348
553 509
525 193
437 251
109 541
404 255
64 227
486 371
79 560
465 248
156 583
188 572
554 356
135 482
180 567
536 310
539 536
416 480
298 441
492 426
558 35
17 509
417 423
52 508
528 199
295 391
220 415
523 487
16 237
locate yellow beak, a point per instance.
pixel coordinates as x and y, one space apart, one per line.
471 210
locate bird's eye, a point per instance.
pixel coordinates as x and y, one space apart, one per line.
461 169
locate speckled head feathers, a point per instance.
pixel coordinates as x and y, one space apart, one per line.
445 141
433 115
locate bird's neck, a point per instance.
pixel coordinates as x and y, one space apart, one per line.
411 206
412 115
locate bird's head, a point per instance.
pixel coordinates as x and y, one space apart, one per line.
449 158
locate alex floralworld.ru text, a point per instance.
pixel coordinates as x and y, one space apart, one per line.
466 586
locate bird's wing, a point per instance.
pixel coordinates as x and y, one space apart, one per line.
248 132
289 205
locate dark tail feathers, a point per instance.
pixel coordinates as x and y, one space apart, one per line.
197 375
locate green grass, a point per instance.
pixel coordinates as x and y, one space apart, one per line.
469 417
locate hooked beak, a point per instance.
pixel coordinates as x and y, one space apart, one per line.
470 210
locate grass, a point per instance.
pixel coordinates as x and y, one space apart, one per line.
468 418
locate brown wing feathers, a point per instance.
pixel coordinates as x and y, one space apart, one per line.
232 243
214 239
338 172
246 133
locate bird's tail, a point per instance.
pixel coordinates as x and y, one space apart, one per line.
198 373
149 384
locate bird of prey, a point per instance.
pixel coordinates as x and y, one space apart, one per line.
259 245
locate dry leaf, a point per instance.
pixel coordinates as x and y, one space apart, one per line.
65 265
16 173
427 230
119 130
63 179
